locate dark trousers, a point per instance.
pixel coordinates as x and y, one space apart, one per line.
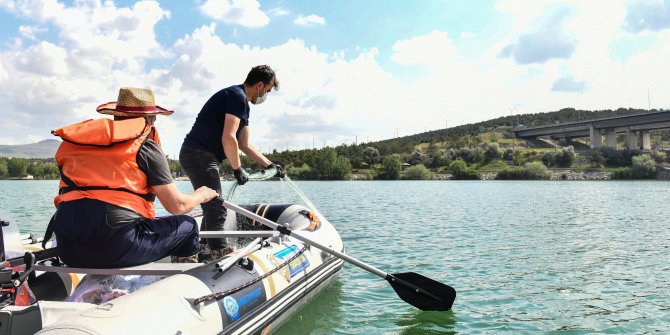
88 238
202 168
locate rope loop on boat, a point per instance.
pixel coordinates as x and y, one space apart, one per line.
222 294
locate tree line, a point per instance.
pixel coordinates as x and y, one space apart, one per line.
22 167
460 151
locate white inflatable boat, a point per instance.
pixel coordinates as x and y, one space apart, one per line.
250 291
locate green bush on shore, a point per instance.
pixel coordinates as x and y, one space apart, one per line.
644 167
531 171
417 172
460 171
391 167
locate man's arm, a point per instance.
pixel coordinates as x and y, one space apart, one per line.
250 150
177 202
229 141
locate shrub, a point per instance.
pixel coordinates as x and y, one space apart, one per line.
523 157
329 166
622 173
563 159
391 167
617 158
644 167
299 172
417 157
549 159
659 156
3 167
492 152
531 171
17 167
460 171
509 154
597 159
371 155
417 172
566 158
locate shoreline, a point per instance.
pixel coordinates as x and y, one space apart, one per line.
557 174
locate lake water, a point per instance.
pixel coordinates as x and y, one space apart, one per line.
555 257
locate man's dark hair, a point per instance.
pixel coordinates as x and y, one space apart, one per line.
261 73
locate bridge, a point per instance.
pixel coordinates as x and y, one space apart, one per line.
637 129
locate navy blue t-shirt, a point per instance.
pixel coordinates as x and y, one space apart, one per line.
208 127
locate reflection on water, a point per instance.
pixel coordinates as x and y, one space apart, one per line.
418 322
320 317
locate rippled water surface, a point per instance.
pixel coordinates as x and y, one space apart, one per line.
553 257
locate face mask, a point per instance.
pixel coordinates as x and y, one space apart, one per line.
259 100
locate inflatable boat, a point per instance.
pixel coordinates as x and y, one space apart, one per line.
250 291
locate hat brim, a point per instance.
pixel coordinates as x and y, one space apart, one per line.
110 109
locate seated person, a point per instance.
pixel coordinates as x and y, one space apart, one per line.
111 173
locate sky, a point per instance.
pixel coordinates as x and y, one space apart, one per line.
349 71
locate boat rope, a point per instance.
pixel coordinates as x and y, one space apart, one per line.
222 294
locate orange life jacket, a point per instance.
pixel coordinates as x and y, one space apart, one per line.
98 160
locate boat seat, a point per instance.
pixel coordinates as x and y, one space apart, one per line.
151 269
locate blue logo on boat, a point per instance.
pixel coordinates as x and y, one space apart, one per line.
295 266
250 297
231 307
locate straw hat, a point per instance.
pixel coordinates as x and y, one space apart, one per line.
133 102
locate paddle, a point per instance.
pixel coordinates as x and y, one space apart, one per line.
419 291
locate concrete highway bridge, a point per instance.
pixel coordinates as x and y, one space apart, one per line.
637 129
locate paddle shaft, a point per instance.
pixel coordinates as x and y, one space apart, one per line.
299 237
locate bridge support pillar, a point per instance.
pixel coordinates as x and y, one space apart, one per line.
610 138
596 138
631 140
646 140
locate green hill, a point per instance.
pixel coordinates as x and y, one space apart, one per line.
486 145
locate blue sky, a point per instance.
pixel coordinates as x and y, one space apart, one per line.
348 69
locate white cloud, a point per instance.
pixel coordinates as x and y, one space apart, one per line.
309 20
29 32
546 43
568 84
44 85
245 13
414 50
3 72
43 59
279 11
648 15
467 35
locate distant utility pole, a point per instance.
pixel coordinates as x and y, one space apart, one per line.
397 132
356 141
648 100
511 114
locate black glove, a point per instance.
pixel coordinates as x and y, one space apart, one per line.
280 170
241 176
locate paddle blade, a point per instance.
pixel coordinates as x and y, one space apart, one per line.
422 292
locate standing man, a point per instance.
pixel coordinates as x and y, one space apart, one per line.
111 172
220 131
